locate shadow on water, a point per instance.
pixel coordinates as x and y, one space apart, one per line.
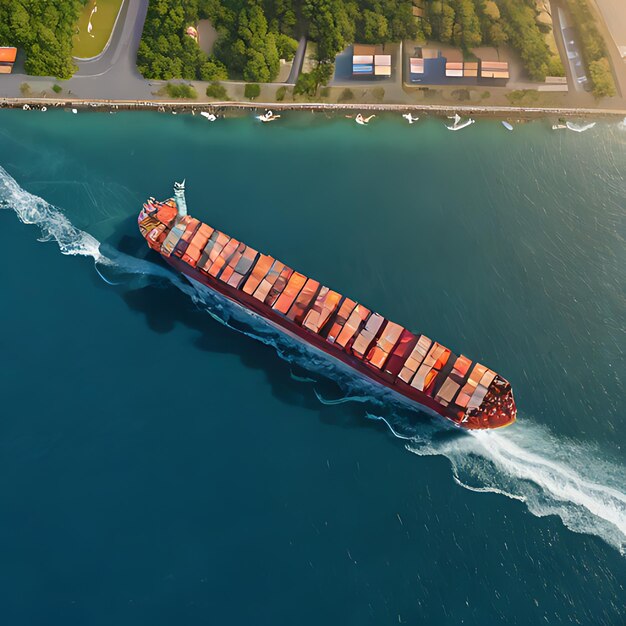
164 307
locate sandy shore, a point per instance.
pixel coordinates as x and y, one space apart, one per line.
232 107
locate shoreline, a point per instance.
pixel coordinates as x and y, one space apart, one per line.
230 105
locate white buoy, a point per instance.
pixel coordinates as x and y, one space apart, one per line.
74 111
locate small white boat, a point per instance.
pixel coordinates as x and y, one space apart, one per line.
409 118
507 125
268 116
363 121
579 128
558 127
74 111
25 108
459 126
209 116
44 109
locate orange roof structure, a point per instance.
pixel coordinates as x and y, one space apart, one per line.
363 49
7 55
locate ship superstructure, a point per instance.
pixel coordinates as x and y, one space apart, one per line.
421 370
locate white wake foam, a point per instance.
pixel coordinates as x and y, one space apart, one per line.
526 462
550 476
32 209
55 226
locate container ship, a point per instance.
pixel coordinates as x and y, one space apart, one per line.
422 371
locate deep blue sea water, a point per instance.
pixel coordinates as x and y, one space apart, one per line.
159 467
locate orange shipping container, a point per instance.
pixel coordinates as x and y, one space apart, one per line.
261 268
219 263
289 294
303 301
235 280
367 335
342 315
166 213
325 305
352 325
226 274
192 254
278 286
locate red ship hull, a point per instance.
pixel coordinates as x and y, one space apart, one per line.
418 370
252 304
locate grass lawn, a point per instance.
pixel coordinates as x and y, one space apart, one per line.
89 44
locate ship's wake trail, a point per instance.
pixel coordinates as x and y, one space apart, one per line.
526 462
31 209
551 476
55 226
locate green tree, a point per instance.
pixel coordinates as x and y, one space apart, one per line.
602 79
468 34
252 91
166 52
308 82
497 35
526 38
375 27
181 91
329 25
286 47
217 91
44 30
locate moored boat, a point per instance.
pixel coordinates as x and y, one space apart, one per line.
268 116
420 370
458 125
363 121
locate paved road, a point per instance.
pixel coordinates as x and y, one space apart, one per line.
618 63
115 74
111 76
298 60
614 15
124 39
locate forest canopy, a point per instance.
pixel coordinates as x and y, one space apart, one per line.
44 31
165 51
253 35
251 30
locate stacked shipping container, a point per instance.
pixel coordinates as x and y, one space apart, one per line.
399 357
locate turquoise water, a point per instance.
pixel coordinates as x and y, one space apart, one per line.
157 466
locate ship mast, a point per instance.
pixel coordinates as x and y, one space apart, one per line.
179 195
